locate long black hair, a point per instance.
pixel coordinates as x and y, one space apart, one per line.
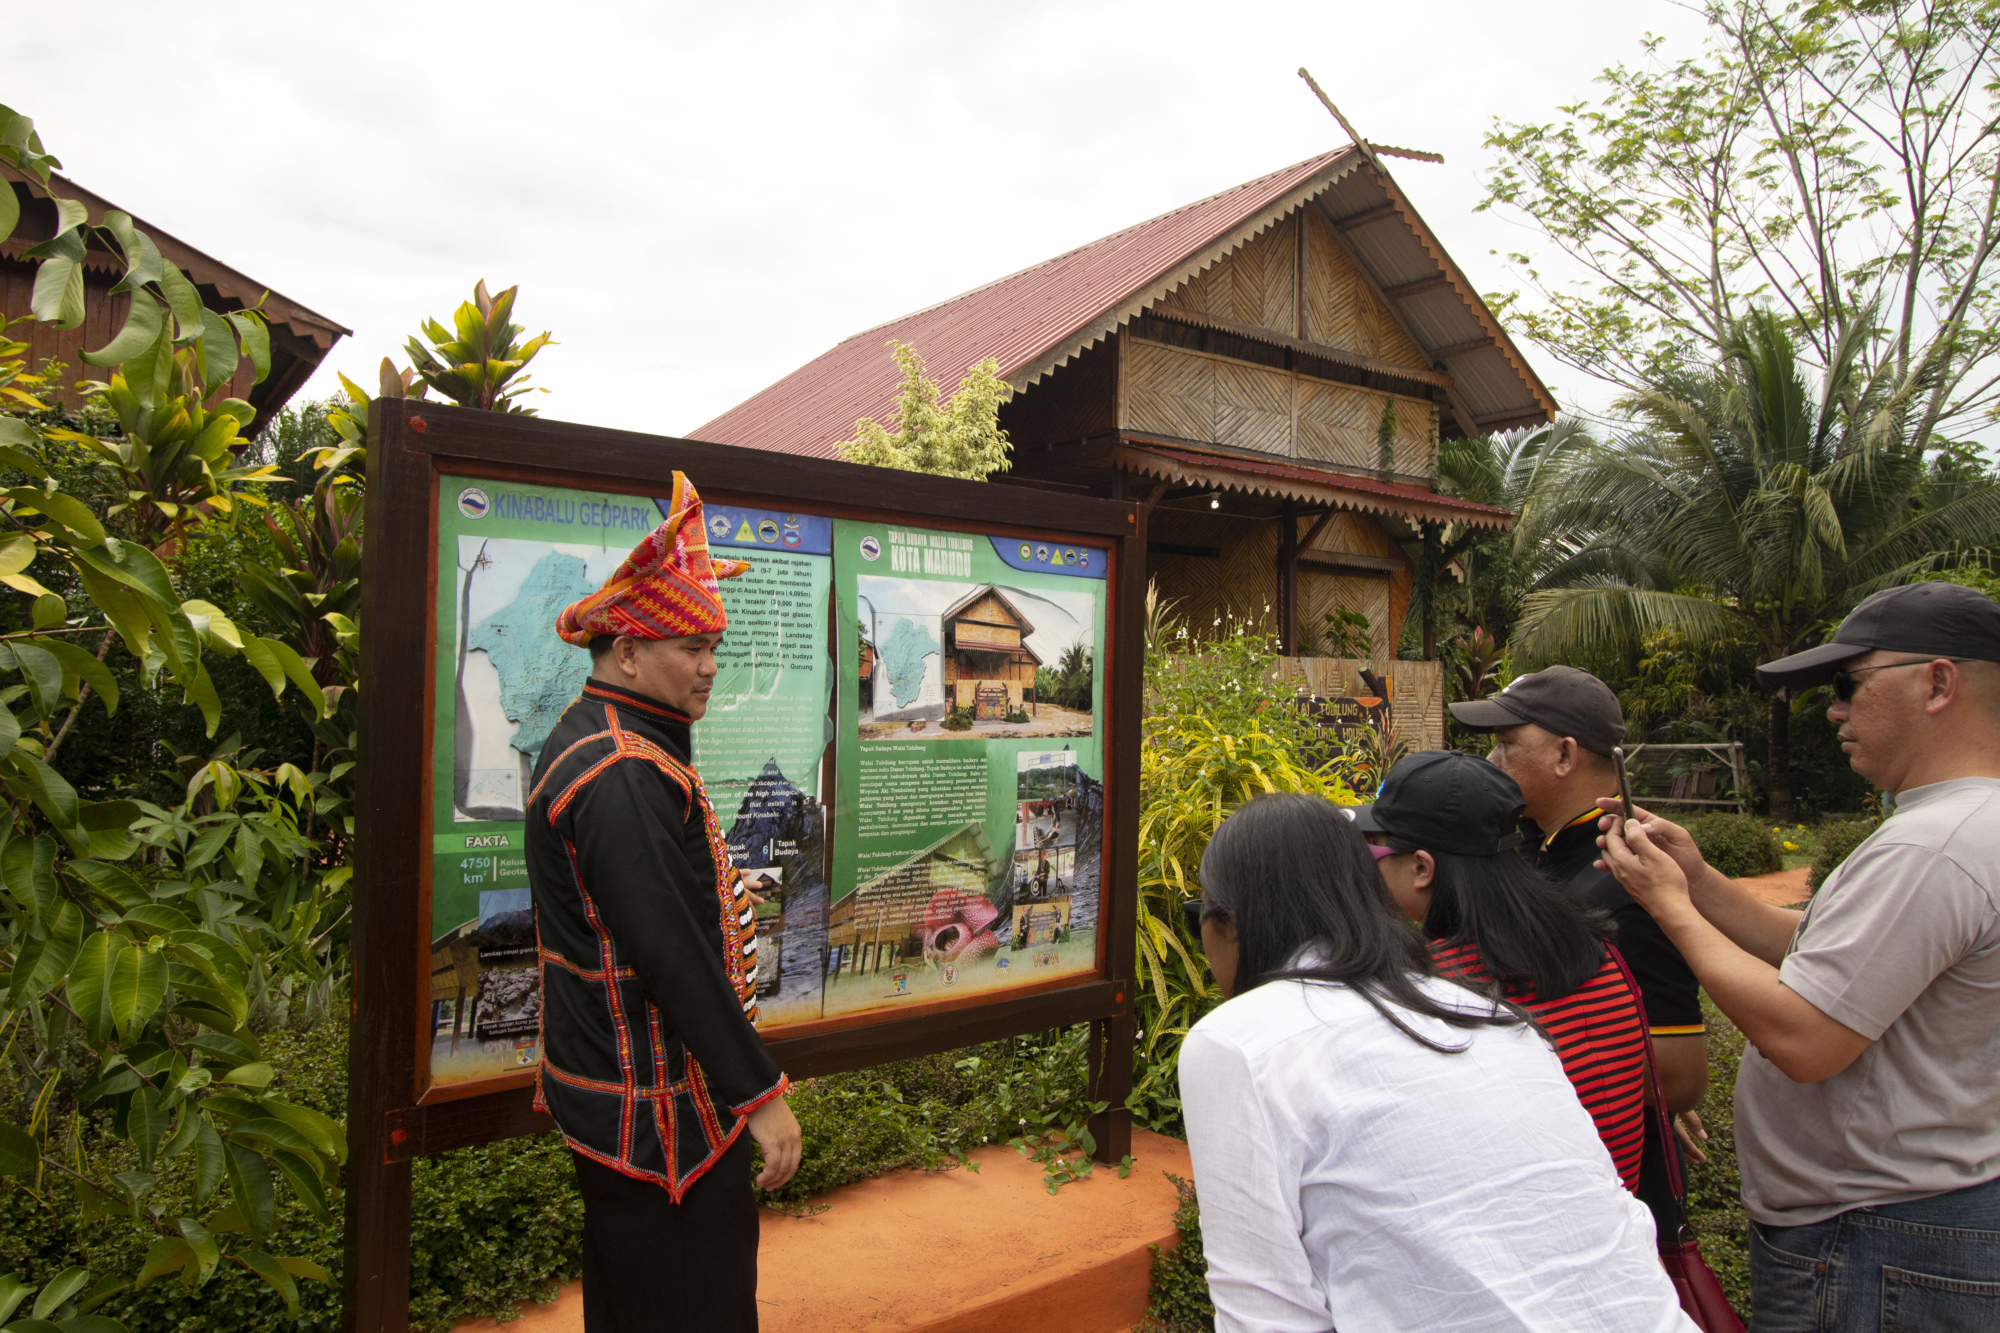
1530 935
1296 877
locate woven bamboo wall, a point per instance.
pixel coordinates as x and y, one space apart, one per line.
1198 396
1240 582
1380 597
1341 307
1257 283
1416 690
1077 399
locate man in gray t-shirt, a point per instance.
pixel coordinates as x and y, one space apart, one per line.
1868 1109
1901 945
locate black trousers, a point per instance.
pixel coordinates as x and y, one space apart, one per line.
653 1266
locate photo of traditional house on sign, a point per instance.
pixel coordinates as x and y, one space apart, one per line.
943 659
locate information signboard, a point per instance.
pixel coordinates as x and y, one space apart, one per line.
921 746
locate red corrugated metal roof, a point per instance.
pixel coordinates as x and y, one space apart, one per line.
1021 320
1233 472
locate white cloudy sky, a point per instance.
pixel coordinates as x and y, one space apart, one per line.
698 198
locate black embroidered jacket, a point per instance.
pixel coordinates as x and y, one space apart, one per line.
648 947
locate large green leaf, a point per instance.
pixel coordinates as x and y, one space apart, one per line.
256 338
124 608
304 1180
108 881
268 1268
142 258
12 1290
136 986
257 652
166 1255
38 966
250 1185
322 1131
42 674
305 1268
218 349
137 568
17 549
18 1152
91 1323
28 867
146 1123
58 294
210 1156
64 508
299 674
207 1253
89 977
57 1291
143 323
48 789
184 301
10 218
201 693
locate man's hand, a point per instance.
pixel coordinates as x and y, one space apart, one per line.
1688 1128
1649 873
776 1130
1669 837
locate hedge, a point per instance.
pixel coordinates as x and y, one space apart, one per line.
1737 845
1837 840
500 1225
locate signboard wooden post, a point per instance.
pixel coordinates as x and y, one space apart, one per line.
924 745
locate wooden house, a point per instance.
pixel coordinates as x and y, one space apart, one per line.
300 337
988 665
1268 370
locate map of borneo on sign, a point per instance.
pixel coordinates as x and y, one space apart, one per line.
903 660
540 675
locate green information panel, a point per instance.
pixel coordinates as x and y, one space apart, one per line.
969 720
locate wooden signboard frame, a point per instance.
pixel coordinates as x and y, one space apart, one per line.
391 1120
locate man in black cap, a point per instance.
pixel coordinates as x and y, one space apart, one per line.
1554 731
1868 1109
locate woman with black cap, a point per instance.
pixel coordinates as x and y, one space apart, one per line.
1377 1147
1443 830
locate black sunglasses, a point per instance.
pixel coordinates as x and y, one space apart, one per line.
1843 679
1191 912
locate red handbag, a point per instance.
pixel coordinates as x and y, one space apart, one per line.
1694 1281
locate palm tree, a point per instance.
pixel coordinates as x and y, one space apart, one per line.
1498 470
1747 510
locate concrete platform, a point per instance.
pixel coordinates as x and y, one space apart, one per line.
955 1252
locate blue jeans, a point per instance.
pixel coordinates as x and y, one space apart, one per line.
1930 1264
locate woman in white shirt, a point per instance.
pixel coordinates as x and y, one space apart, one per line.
1376 1149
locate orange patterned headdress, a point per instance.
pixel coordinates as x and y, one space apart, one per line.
666 587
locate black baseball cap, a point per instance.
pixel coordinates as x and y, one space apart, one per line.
1936 619
1560 699
1445 801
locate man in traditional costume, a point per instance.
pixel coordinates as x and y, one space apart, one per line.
651 1064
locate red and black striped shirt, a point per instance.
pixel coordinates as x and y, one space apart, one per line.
1599 1030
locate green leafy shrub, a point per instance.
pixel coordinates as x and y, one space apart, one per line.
1018 716
1178 1301
958 718
1737 845
1837 840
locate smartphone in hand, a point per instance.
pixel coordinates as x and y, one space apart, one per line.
1624 784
